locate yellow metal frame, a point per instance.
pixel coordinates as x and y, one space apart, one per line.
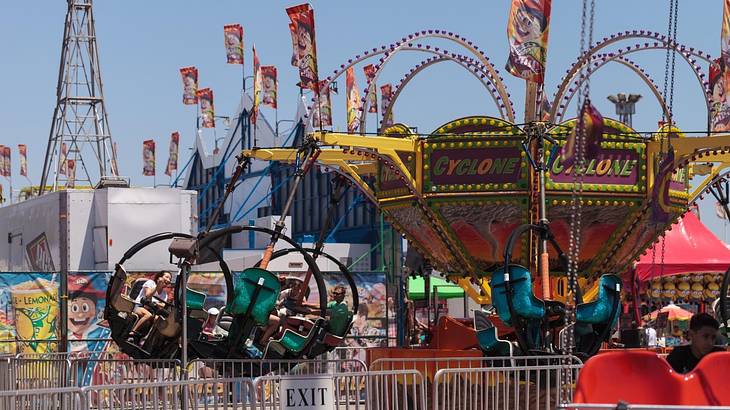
346 154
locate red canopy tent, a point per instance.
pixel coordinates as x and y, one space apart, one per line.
688 247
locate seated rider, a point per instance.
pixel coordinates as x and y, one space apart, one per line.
336 296
149 288
703 330
287 305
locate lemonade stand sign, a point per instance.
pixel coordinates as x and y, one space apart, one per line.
35 311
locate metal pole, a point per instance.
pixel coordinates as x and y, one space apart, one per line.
184 270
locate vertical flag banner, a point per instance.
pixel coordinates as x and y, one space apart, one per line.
172 158
23 154
269 85
725 34
302 16
6 154
62 163
544 108
256 86
71 177
190 85
719 110
294 45
322 110
372 93
233 36
115 169
527 32
386 97
2 161
148 158
353 102
207 111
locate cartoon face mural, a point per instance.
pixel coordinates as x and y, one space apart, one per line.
81 314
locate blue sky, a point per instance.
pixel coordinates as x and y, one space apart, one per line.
144 43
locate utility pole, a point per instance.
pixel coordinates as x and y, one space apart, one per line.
80 125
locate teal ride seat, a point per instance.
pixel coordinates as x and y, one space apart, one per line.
488 338
599 310
291 342
524 302
194 299
245 287
339 320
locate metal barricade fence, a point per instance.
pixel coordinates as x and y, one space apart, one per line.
495 388
7 382
628 406
91 371
218 394
39 373
217 368
371 390
42 399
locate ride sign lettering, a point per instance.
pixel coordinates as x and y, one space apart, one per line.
616 167
475 166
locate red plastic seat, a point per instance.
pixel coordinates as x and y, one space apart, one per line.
711 378
644 378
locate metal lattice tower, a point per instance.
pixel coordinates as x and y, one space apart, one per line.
80 121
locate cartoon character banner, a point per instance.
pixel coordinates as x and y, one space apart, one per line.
527 32
233 36
87 330
386 97
207 111
2 161
29 306
372 93
590 124
719 110
322 111
23 154
353 102
71 177
256 86
302 16
148 158
190 85
268 86
8 163
172 159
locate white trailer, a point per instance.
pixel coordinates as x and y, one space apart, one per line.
91 229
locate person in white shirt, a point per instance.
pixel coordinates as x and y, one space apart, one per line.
150 287
650 333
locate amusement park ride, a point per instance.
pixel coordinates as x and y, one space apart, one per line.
491 202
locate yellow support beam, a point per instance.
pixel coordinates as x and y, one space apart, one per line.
474 294
409 144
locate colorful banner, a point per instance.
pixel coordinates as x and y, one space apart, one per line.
172 158
527 32
148 158
190 85
386 97
269 86
71 170
29 306
590 124
353 102
256 86
660 206
322 110
233 36
87 330
294 45
302 16
8 169
23 154
719 111
372 89
207 111
2 161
